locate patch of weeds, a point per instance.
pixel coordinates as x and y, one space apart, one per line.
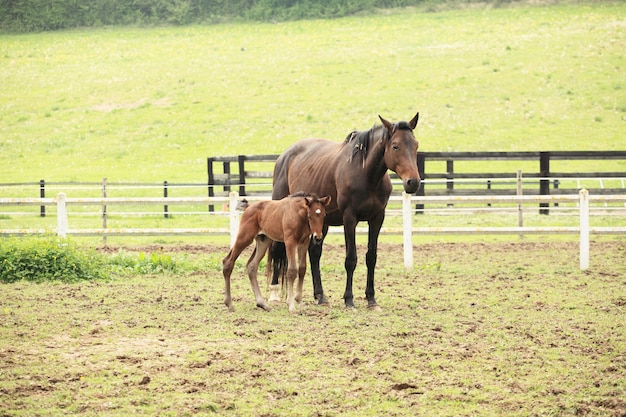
153 263
47 259
214 264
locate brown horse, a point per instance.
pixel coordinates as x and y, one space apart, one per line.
354 174
291 220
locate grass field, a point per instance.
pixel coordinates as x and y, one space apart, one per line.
148 104
479 329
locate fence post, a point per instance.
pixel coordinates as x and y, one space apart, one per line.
234 217
544 180
61 215
226 165
165 208
242 175
584 229
421 170
520 211
450 177
42 194
104 210
209 163
407 234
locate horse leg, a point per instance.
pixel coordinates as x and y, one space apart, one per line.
370 259
228 264
278 254
291 274
227 269
349 230
262 243
302 249
315 253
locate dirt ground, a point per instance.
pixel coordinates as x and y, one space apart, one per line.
474 329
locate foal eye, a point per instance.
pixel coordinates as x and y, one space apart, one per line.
395 147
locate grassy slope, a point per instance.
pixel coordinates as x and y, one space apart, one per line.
151 104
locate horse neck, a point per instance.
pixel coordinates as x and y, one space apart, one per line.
374 163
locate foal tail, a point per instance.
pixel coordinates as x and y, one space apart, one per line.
242 205
277 264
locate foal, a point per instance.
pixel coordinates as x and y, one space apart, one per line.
291 220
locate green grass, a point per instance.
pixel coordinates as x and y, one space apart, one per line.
135 104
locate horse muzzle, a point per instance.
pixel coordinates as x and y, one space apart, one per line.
411 185
317 239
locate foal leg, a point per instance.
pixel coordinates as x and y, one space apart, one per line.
262 243
228 264
278 256
291 274
302 250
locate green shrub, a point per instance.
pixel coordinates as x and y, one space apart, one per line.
48 259
45 15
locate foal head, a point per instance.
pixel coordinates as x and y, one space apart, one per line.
316 213
401 152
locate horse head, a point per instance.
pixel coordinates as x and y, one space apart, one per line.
401 152
317 212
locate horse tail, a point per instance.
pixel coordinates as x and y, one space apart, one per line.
277 264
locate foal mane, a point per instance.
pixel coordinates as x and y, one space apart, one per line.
362 140
304 194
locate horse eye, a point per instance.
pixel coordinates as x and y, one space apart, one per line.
395 147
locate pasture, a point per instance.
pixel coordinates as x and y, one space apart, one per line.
150 104
491 328
475 329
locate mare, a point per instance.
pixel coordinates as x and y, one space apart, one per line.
292 221
354 174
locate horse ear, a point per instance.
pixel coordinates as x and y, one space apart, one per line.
413 121
308 200
388 125
325 200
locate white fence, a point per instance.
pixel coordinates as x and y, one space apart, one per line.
407 230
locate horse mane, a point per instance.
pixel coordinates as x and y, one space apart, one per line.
363 139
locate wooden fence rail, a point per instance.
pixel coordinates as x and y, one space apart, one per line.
407 230
544 175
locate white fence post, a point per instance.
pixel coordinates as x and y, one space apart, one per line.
520 210
234 216
62 224
584 229
407 232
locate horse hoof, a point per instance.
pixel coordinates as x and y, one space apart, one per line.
264 307
322 300
274 294
374 307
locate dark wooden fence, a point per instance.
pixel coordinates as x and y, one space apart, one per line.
252 174
446 173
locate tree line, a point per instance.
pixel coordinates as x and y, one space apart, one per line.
48 15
